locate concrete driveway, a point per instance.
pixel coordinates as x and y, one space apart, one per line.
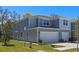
66 46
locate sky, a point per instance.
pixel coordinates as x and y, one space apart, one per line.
66 11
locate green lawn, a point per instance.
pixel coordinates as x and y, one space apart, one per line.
19 47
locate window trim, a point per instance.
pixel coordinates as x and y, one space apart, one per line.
65 22
45 22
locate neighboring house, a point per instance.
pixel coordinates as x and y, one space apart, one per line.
46 28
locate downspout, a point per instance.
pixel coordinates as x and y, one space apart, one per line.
37 34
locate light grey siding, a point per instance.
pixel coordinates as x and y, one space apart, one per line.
18 28
62 26
32 35
55 23
32 22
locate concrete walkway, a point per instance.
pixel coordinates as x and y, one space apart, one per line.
40 51
66 46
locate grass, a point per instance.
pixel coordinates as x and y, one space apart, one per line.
19 47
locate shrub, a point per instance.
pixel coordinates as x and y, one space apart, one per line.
72 39
61 40
40 41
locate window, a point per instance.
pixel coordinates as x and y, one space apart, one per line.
46 23
21 34
65 22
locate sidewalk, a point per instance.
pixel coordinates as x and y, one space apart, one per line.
66 46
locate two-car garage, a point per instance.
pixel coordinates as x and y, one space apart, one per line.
51 36
47 36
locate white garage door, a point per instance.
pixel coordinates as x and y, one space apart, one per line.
65 36
49 36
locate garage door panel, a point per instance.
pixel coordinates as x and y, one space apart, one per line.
65 36
49 36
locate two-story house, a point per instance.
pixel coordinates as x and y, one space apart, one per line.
46 28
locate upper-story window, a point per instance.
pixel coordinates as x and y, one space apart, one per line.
65 22
46 23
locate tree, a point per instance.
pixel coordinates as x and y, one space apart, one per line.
27 15
77 31
8 32
7 18
77 28
13 16
0 34
4 16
